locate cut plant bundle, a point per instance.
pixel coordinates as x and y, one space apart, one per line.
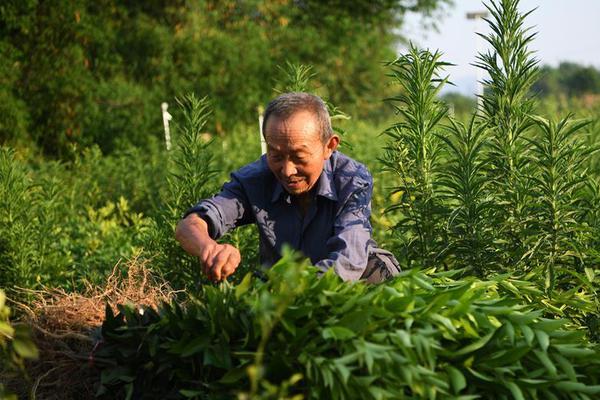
300 335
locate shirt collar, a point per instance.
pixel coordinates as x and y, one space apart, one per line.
325 186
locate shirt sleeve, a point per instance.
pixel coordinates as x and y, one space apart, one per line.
228 209
351 241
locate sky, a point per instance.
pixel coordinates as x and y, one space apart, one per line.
568 30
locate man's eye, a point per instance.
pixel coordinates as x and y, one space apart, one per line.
275 157
300 159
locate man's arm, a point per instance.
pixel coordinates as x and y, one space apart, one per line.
218 260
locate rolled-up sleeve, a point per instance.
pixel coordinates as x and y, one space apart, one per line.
226 210
351 241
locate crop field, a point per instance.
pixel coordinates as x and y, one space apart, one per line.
493 214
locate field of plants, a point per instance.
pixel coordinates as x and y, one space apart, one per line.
494 216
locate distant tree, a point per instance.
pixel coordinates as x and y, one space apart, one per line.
568 79
460 104
80 72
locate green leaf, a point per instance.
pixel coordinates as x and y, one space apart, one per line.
194 346
457 379
337 333
578 387
515 390
527 333
25 348
589 272
243 286
234 375
187 393
478 344
543 339
6 330
566 366
546 362
574 350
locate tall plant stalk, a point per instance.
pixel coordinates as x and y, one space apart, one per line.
413 154
191 176
559 157
507 106
465 190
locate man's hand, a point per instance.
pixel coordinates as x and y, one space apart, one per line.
219 261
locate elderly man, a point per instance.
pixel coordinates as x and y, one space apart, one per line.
303 193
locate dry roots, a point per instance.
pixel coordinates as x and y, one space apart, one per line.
66 329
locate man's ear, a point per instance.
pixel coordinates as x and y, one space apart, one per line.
331 145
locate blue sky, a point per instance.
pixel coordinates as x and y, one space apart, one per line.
568 30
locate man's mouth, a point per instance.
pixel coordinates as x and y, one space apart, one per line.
294 183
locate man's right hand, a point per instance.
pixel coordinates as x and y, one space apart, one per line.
219 261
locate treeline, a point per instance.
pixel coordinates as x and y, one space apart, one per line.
82 72
568 79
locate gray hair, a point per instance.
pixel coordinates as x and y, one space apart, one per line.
287 104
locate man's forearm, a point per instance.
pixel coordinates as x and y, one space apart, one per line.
192 234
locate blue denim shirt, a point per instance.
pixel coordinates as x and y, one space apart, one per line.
335 231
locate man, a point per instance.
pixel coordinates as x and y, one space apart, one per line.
302 193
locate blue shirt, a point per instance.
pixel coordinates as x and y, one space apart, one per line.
334 232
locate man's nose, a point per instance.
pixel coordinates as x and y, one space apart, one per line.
288 169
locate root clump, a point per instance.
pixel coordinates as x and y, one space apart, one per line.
66 329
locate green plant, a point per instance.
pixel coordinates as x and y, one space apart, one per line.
413 154
303 336
58 228
465 186
559 159
191 175
507 105
16 346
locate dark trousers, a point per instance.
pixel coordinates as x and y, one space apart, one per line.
381 266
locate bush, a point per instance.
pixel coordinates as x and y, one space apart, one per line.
297 334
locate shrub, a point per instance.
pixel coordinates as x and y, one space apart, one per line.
306 336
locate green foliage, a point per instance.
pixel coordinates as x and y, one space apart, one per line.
297 334
507 106
414 153
465 185
510 191
95 72
16 346
559 158
567 80
191 175
58 227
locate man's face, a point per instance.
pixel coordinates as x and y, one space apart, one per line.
295 152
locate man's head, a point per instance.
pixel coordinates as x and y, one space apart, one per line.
299 138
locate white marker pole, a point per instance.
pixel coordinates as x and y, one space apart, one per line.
166 118
263 143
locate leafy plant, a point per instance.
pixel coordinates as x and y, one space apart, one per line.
191 175
303 336
16 346
58 230
413 154
507 106
465 185
559 158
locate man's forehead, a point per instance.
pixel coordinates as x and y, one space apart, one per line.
289 143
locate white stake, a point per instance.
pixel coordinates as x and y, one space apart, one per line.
263 143
166 118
